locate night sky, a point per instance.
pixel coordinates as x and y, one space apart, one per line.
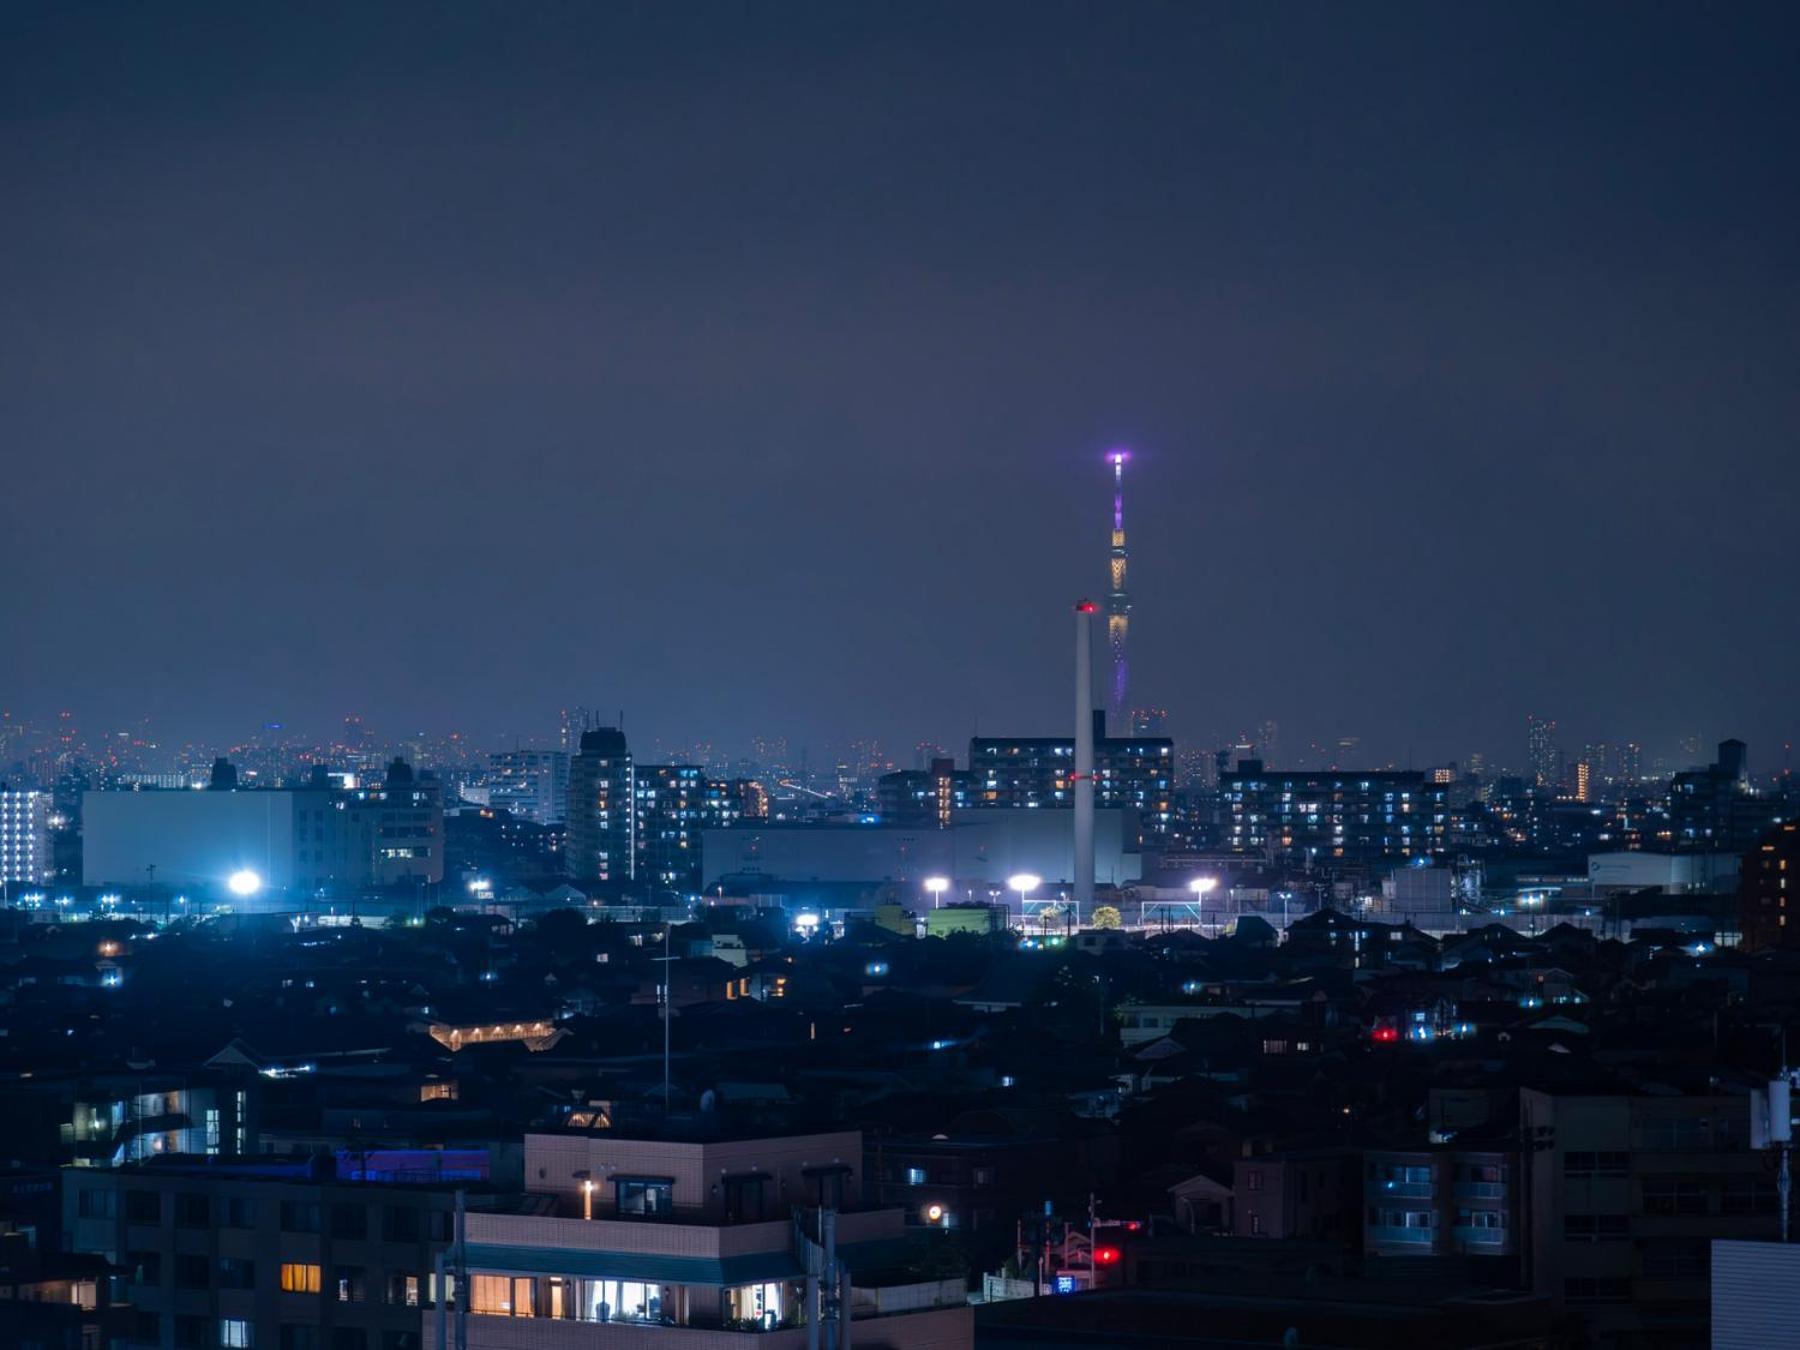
749 367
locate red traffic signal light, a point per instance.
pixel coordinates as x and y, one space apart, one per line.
1106 1256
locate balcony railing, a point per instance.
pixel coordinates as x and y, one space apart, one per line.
1480 1190
1404 1190
1392 1233
1481 1237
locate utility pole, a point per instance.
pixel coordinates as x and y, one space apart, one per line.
667 998
462 1271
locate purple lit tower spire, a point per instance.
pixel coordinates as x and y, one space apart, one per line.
1118 600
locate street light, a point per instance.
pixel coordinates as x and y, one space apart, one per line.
937 886
1200 886
1024 883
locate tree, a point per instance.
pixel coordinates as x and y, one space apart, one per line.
1108 916
561 929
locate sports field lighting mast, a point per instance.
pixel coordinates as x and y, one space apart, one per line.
1084 757
1200 886
1024 883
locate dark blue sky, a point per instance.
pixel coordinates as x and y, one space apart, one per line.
749 366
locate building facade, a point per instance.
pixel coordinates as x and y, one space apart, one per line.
930 795
1028 773
264 1256
1716 807
1333 814
25 858
532 784
301 842
601 843
693 1244
670 802
1764 886
1624 1196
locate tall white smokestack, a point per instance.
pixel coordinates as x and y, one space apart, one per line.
1084 759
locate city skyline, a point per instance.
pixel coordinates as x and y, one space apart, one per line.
1440 414
1286 748
927 676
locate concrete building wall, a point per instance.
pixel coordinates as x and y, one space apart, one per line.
1755 1295
981 849
175 1255
1674 872
25 856
552 1161
193 839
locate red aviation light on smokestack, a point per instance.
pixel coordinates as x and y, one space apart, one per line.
1087 607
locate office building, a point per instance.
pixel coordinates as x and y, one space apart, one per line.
601 843
1351 814
25 837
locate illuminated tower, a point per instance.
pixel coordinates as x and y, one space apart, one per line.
1118 600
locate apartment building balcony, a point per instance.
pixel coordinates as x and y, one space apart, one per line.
539 1282
1401 1190
1398 1235
1479 1190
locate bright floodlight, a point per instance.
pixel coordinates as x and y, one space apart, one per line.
1201 885
937 885
1024 883
244 882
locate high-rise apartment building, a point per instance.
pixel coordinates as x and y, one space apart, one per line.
533 784
1764 888
602 835
670 801
1149 722
1542 760
914 796
1334 814
1034 772
1716 807
25 836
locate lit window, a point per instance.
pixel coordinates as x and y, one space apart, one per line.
299 1277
